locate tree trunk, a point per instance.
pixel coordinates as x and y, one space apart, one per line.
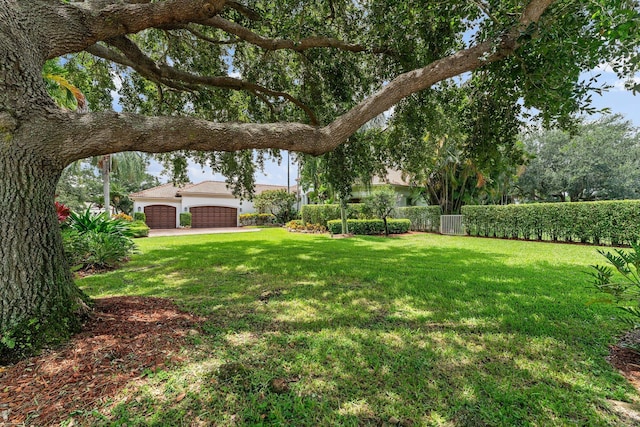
106 184
39 303
343 215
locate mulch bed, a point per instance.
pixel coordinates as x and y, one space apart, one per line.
626 359
125 338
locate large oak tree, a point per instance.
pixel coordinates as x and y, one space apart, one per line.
220 76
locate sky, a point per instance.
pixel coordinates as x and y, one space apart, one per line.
617 99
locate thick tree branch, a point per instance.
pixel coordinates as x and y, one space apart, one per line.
244 10
416 80
104 133
133 57
84 24
83 135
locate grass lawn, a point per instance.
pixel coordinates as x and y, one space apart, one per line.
306 330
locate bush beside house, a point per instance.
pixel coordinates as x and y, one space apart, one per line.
185 219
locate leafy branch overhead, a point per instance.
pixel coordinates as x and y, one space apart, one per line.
298 67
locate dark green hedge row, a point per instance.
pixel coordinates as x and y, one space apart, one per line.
607 222
370 226
139 229
423 218
321 214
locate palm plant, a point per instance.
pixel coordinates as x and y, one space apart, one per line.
624 286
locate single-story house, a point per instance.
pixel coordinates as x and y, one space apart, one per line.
211 204
407 194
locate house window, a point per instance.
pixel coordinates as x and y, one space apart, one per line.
139 209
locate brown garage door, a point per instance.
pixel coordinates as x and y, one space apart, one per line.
160 216
213 216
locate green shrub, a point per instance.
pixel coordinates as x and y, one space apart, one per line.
423 218
321 214
139 229
97 241
94 249
140 216
382 203
399 226
296 225
280 203
257 219
605 222
370 226
185 219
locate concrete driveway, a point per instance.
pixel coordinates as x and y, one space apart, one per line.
187 231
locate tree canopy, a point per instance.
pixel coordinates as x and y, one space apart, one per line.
215 79
600 162
252 63
81 184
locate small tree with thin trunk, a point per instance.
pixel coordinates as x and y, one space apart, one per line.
279 203
381 203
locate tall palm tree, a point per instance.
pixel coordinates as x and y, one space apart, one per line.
128 166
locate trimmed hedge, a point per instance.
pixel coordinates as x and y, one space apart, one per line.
140 216
139 229
606 222
257 219
423 218
370 226
185 219
321 214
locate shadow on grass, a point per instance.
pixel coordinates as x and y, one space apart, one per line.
365 331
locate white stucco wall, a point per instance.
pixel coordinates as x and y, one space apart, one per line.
403 192
243 206
140 204
183 204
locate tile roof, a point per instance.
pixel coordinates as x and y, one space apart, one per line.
394 177
213 188
162 191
